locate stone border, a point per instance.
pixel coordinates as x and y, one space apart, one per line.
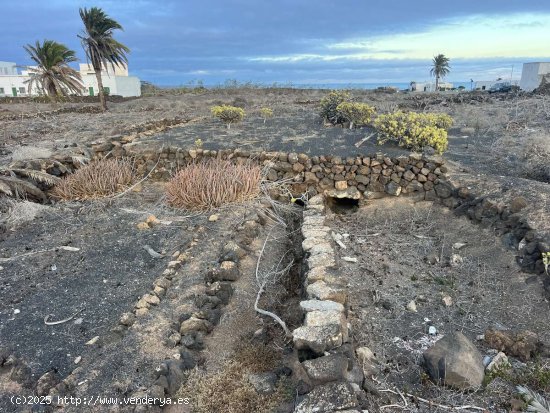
331 366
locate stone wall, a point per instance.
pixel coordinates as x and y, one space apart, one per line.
361 178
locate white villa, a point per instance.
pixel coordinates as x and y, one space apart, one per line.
429 86
115 81
532 75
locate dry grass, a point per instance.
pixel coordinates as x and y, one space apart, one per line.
96 180
536 158
205 185
228 389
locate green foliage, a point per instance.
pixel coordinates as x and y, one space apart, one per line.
440 68
99 44
329 105
357 114
52 73
228 114
414 130
198 143
266 113
546 260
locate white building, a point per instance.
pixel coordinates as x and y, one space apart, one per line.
115 81
488 84
532 75
429 86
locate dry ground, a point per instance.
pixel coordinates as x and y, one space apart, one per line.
397 243
492 136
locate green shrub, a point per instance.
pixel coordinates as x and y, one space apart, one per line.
228 114
329 105
357 114
266 113
414 130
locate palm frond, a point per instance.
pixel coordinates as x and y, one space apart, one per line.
21 188
38 176
536 402
5 189
80 160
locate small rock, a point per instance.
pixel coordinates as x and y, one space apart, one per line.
47 382
524 344
326 369
16 311
455 362
228 271
455 260
459 245
349 259
151 299
143 225
77 360
447 300
263 383
498 362
173 339
195 324
321 305
432 331
213 218
141 312
127 319
327 398
411 306
152 220
92 341
432 259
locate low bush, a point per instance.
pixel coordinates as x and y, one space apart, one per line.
329 105
266 113
414 130
357 114
98 179
210 184
228 114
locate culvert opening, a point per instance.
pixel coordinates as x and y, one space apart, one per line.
342 205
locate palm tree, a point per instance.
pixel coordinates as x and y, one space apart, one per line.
53 75
440 68
100 46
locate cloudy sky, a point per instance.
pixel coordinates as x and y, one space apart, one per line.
300 41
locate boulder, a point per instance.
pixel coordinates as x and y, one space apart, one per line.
455 362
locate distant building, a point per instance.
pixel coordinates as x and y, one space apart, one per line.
115 81
488 84
429 86
532 75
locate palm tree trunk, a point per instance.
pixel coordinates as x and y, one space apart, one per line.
437 83
102 100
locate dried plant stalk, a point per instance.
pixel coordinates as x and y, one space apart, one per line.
98 179
210 184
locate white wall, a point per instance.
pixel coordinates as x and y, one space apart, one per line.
531 75
127 86
9 82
